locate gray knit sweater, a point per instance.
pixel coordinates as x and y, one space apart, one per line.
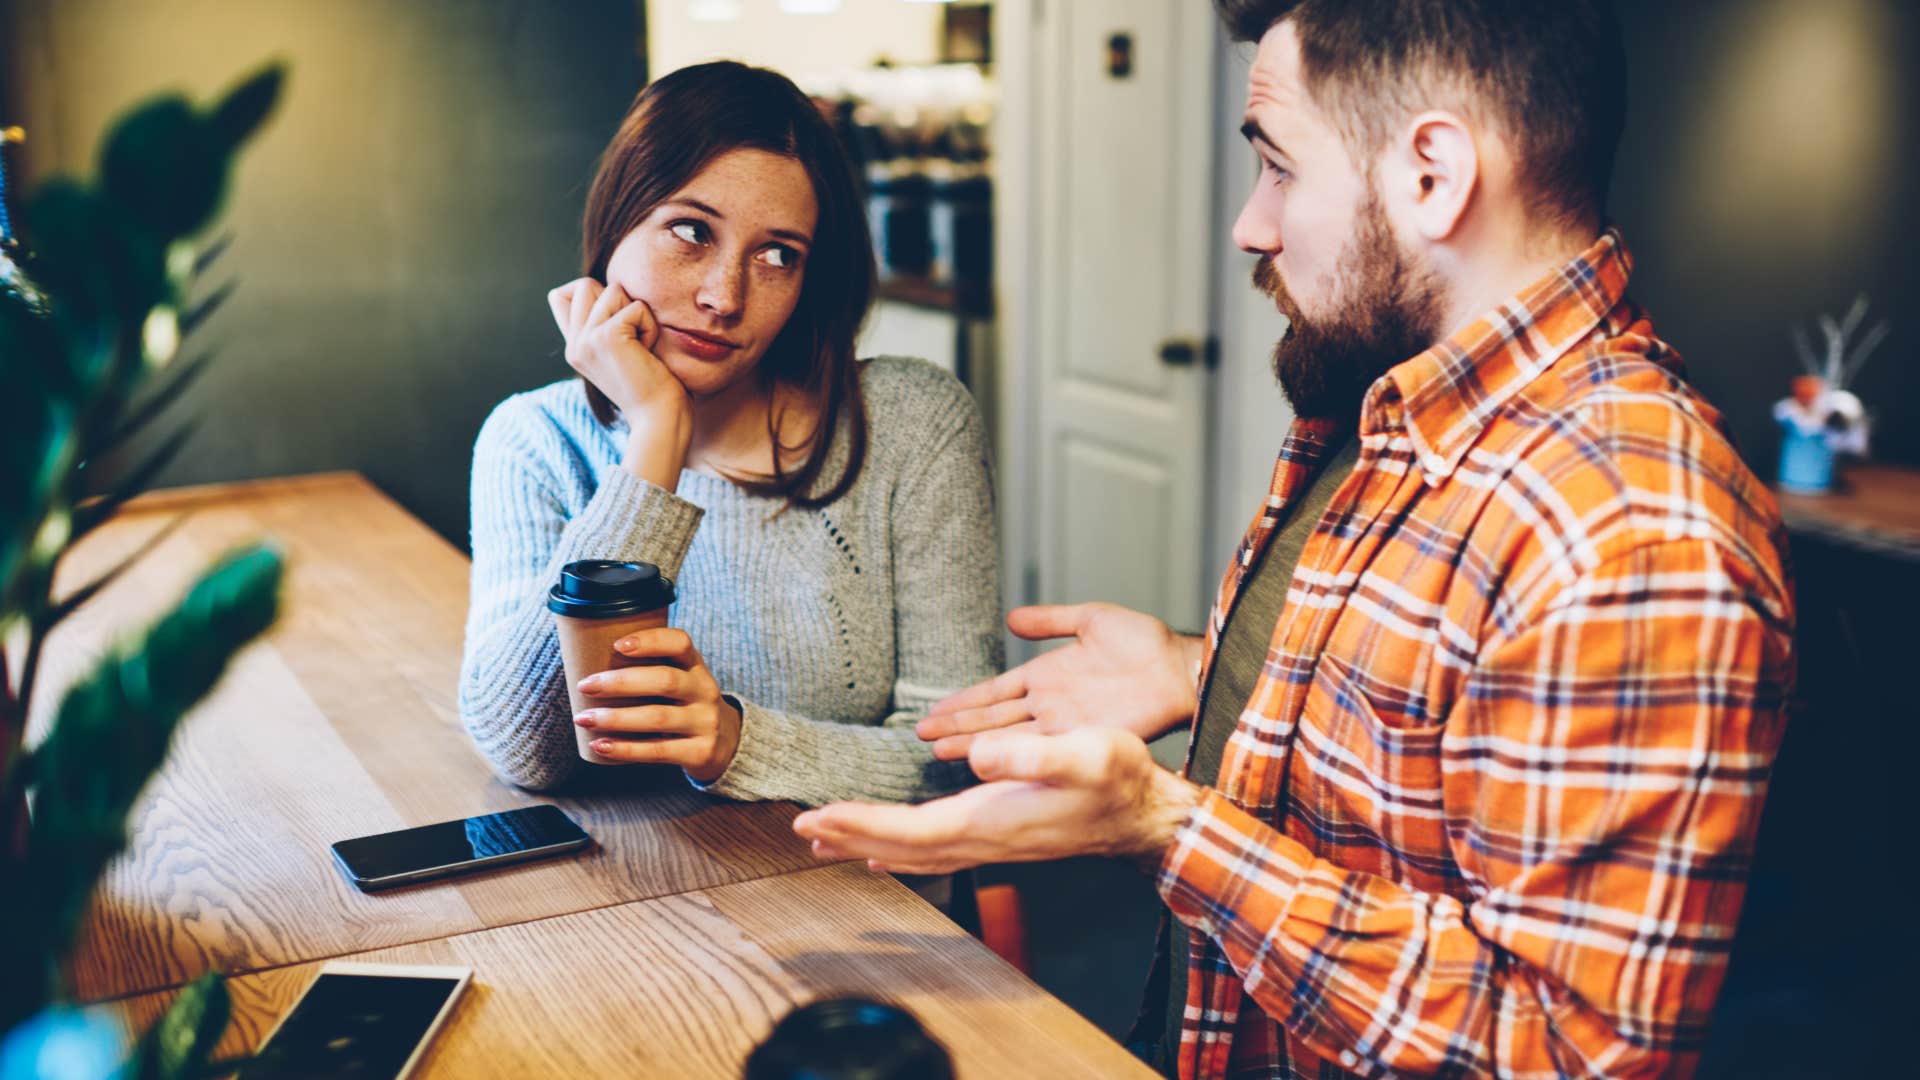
835 629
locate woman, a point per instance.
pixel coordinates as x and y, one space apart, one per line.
827 523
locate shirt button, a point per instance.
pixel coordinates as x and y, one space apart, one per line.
1349 1059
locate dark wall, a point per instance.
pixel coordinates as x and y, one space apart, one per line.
1765 178
396 226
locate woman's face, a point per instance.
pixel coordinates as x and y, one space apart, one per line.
720 263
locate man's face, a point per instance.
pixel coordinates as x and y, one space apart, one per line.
1357 302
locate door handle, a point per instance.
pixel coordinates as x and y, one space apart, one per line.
1182 352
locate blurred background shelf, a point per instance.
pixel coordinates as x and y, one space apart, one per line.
1876 508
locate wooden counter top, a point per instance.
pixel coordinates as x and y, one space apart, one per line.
697 921
685 986
1877 507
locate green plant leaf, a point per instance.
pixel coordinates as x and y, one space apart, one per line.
70 603
91 513
100 270
166 166
28 344
204 259
179 377
95 264
111 733
96 260
201 311
19 772
181 1042
66 226
242 112
36 426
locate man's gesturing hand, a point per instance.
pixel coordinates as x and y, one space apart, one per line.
1095 791
1124 670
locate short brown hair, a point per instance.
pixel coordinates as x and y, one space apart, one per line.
1551 74
674 128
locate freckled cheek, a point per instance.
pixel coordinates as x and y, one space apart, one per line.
773 307
659 279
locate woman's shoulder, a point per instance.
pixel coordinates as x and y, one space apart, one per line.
547 430
911 394
558 408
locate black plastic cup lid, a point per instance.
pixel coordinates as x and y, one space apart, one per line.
603 589
849 1039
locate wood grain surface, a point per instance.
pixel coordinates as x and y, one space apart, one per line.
1875 506
341 723
686 986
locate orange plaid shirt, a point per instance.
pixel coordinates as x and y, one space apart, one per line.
1491 806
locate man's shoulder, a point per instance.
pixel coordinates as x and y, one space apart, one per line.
1615 449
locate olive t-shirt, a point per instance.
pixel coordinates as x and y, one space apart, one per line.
1236 667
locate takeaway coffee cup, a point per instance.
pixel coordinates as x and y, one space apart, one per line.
595 603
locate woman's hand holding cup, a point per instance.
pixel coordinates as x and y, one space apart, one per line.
700 727
610 340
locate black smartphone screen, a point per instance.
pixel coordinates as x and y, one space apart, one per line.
363 1026
457 843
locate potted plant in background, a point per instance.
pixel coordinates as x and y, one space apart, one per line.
1822 419
91 319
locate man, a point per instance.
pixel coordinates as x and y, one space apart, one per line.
1486 708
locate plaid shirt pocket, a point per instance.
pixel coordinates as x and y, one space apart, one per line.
1377 777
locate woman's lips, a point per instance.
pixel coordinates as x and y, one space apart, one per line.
698 345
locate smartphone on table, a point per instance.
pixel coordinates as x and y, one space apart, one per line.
454 847
366 1021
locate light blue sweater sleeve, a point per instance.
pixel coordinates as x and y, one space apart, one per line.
525 528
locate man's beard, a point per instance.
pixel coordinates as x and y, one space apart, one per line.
1386 311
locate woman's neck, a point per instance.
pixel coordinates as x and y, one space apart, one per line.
730 433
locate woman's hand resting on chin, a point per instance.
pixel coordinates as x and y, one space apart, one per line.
610 340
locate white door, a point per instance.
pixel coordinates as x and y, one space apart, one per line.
1123 94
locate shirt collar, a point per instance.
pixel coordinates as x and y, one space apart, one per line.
1445 396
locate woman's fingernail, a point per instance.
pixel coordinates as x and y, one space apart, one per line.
601 746
590 684
585 719
624 644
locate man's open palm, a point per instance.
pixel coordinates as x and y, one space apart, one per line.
1124 669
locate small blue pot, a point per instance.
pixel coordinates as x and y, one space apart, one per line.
1806 461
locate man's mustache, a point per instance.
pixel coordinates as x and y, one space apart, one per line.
1265 277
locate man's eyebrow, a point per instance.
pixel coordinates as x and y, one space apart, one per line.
785 234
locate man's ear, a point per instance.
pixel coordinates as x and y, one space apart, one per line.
1435 172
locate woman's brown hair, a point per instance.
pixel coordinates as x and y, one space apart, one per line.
675 127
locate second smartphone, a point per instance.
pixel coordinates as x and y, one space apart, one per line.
405 856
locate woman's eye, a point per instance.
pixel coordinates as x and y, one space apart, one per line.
1274 172
693 232
781 256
